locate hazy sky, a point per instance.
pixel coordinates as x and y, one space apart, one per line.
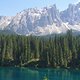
11 7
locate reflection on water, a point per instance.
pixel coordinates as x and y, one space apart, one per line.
38 74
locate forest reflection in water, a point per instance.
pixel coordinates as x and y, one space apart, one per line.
10 73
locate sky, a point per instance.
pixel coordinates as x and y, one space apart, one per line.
12 7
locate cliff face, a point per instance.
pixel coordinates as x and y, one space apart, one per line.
47 20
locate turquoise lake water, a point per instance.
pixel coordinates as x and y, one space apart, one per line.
10 73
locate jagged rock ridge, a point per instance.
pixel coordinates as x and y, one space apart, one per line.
47 20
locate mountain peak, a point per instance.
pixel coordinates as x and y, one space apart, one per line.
47 20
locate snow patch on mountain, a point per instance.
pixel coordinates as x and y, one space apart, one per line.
4 21
44 21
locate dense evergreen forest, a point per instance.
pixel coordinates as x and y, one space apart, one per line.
55 51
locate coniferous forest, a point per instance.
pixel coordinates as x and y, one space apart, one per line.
54 51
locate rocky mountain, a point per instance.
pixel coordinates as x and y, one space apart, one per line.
71 15
4 22
47 20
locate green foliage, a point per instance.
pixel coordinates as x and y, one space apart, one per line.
57 51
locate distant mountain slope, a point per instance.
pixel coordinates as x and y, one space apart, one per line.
4 21
44 21
7 32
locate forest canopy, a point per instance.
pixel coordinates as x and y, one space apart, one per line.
54 51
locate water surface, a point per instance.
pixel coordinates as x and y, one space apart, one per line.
10 73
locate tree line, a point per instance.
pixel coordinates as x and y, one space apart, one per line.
54 51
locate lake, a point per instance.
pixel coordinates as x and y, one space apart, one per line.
10 73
